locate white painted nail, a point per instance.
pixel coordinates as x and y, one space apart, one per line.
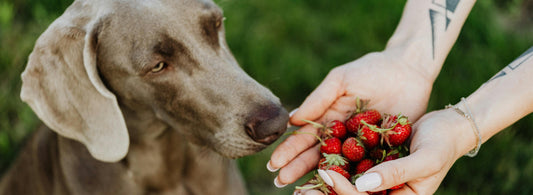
368 182
325 177
270 168
277 184
292 112
296 193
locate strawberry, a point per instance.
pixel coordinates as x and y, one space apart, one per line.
338 170
391 155
331 146
353 149
377 154
383 192
363 166
397 186
370 116
333 159
337 129
330 191
369 137
400 130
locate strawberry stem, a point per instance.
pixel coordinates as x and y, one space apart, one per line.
315 124
309 187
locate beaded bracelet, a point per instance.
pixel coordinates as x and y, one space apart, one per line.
468 116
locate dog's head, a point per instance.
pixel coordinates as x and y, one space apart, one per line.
163 60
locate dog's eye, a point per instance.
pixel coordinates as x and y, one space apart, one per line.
160 66
218 24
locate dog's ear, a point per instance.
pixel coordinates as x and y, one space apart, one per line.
62 85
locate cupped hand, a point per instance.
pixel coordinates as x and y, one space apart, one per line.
385 78
439 139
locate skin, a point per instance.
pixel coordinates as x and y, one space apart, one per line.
405 72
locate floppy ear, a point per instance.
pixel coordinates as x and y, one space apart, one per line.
62 86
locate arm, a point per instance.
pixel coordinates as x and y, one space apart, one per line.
404 72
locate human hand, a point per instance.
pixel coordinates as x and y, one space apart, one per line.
392 84
435 146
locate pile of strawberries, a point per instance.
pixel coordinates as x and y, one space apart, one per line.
364 140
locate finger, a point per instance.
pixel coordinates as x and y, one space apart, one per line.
316 104
312 192
339 183
391 173
292 147
300 166
427 185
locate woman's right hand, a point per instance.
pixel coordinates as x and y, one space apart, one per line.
393 86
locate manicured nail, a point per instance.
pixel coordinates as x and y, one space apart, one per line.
292 112
296 193
270 168
368 182
278 184
325 177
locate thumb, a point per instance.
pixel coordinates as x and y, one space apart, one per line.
316 104
392 173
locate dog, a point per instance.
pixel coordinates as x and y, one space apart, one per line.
140 97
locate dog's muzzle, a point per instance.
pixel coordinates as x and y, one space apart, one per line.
267 123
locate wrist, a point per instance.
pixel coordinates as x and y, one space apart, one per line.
410 54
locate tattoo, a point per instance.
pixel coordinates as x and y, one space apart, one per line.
515 64
440 17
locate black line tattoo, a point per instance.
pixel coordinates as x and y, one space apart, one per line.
515 64
439 18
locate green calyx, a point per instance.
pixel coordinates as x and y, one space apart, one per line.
375 128
334 159
317 183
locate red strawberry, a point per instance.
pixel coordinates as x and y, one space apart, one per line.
339 170
377 154
401 130
331 146
363 166
333 159
397 187
337 129
369 116
331 191
391 155
353 149
369 137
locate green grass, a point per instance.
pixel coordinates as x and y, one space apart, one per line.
289 46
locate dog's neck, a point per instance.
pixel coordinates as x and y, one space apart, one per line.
162 160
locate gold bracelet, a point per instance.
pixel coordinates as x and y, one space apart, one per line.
468 116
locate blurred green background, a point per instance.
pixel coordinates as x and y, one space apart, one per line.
290 46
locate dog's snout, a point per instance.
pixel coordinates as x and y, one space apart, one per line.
267 124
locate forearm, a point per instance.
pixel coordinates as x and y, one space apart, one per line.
502 100
427 31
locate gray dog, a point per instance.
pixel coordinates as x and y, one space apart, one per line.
142 97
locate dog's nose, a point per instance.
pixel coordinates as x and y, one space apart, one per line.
267 123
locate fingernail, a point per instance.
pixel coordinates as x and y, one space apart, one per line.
278 184
296 193
292 112
368 182
325 177
270 168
